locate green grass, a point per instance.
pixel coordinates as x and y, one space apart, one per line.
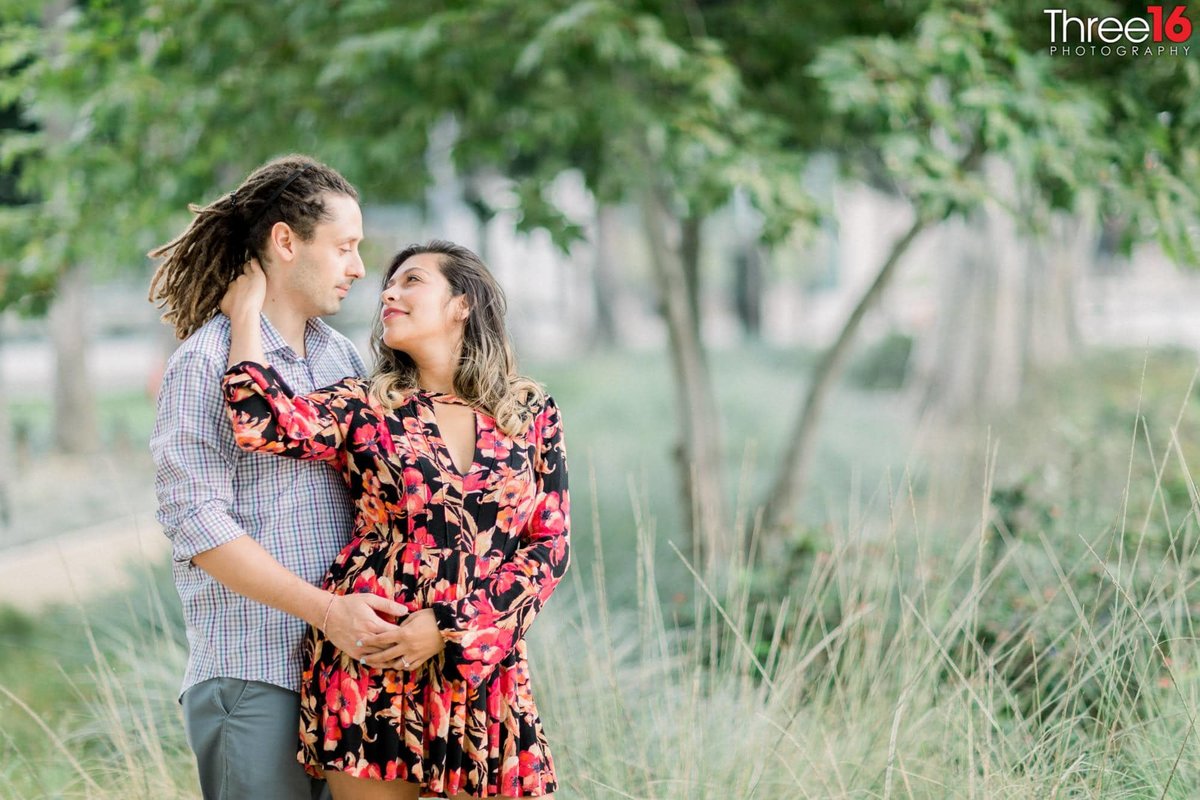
1012 618
88 695
620 422
123 419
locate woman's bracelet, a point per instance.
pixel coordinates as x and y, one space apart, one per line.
329 605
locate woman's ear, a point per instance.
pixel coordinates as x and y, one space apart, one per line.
462 309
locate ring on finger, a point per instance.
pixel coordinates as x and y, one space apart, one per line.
358 642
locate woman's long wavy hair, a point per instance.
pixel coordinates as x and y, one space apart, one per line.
203 260
486 376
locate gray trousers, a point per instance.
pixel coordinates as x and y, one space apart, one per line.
245 735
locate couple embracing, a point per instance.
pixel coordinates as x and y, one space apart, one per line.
359 555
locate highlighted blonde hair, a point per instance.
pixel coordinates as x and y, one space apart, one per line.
486 376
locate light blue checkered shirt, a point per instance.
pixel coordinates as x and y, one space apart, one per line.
210 492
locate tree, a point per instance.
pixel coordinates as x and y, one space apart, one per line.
154 91
927 111
127 118
649 103
604 89
20 291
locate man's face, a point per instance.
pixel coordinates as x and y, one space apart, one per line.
329 263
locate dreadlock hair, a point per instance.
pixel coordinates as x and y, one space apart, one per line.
486 376
203 260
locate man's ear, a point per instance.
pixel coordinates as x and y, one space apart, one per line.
282 242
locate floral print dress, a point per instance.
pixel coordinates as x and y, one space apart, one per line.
483 549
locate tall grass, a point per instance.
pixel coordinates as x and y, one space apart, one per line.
1053 658
897 699
869 684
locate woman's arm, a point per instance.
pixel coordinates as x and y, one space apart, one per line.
243 304
267 416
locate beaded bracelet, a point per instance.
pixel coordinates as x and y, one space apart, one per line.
329 605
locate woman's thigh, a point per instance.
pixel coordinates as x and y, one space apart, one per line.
344 787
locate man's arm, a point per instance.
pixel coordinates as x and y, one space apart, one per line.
243 566
195 455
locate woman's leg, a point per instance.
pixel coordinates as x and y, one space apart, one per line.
344 787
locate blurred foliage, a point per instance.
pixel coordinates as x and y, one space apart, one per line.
1091 507
129 109
883 364
921 112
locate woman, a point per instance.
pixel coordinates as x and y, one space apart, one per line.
458 474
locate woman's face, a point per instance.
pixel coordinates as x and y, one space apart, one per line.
418 309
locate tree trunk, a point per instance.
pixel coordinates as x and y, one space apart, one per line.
1055 264
947 363
699 452
472 196
748 289
8 454
75 429
604 282
793 470
74 404
692 228
1007 308
1001 352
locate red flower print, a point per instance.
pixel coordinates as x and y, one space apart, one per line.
475 481
368 437
484 551
530 763
333 732
511 777
492 443
512 492
367 583
473 673
504 581
548 518
507 520
416 491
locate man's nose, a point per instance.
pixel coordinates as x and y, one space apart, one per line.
357 269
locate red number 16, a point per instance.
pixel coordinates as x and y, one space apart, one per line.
1178 27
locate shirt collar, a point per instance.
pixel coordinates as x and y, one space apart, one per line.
317 335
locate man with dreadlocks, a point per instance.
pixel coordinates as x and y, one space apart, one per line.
253 535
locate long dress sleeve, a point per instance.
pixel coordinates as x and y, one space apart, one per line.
483 627
268 417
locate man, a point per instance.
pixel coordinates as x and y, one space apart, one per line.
251 534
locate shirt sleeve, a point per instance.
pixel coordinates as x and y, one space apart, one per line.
194 456
483 627
268 417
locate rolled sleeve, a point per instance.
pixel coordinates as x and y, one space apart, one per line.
209 527
194 455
